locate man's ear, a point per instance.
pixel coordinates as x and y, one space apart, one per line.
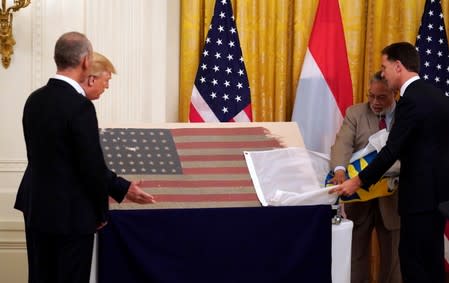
85 63
90 80
399 67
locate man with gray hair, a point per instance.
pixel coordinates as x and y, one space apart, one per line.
64 191
361 121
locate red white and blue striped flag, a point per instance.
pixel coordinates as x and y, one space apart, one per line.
221 91
325 89
433 49
187 167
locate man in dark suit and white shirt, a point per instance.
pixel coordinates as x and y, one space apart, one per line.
419 138
64 191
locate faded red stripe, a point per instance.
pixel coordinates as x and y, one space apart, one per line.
236 144
219 131
216 170
205 198
196 183
217 157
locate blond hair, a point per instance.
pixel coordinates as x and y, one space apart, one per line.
101 64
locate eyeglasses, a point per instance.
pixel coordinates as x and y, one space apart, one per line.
377 97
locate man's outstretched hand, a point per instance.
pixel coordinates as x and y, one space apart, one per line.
137 195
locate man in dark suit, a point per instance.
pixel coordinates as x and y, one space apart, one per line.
361 121
419 138
94 86
64 191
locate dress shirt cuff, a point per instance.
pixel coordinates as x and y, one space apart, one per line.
339 168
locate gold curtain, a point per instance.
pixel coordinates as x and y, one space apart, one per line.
274 37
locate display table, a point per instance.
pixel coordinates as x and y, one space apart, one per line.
270 244
207 224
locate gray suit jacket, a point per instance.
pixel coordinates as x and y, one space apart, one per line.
359 124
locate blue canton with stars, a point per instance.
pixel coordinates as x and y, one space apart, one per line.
221 78
432 46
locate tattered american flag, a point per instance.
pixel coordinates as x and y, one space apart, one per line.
187 167
221 90
433 49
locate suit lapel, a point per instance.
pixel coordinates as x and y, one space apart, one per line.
372 120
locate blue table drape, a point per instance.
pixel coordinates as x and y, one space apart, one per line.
214 245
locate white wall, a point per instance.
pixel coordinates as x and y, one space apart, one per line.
141 37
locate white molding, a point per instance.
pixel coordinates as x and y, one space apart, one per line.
157 22
12 235
124 44
11 225
37 26
13 165
143 44
12 245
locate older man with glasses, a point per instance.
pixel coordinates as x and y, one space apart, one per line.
361 121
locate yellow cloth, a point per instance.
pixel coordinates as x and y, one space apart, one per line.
380 189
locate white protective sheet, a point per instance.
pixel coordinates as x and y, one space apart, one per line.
375 143
287 176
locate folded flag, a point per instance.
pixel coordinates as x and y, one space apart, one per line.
380 189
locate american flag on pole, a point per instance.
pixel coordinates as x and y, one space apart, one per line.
433 49
432 46
221 91
187 167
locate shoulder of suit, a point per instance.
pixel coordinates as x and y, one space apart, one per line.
61 92
69 91
57 82
357 108
418 87
422 84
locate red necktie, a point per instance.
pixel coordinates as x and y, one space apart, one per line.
382 122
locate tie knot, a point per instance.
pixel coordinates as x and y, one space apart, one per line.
382 122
